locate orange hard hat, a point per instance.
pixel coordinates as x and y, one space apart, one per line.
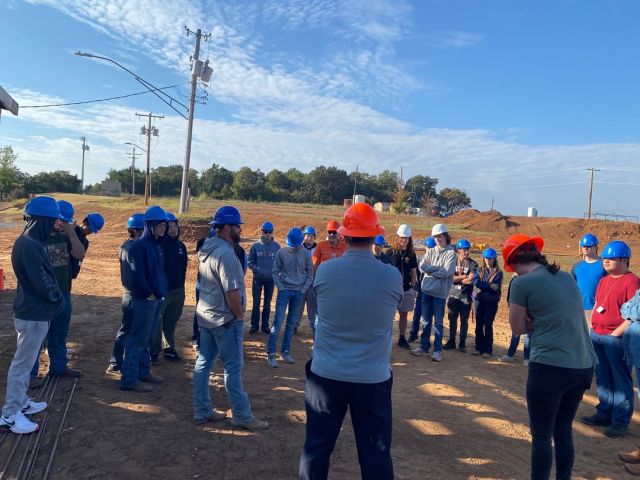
514 242
332 226
361 220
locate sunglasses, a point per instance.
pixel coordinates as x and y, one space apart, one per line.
269 232
332 232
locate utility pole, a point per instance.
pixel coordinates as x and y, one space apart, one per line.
492 202
148 131
198 69
85 148
132 156
355 182
592 170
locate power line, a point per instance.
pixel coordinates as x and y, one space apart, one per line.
100 99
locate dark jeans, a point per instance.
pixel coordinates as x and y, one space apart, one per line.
485 315
553 396
326 403
117 355
171 313
457 308
613 379
417 313
513 346
57 340
137 360
257 286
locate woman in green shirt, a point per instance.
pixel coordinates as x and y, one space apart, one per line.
546 303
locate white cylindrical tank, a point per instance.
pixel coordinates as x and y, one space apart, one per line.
532 212
358 199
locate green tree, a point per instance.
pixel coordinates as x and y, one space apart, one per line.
399 204
328 185
57 181
297 186
124 177
452 200
420 186
388 183
167 181
248 184
216 182
278 186
10 175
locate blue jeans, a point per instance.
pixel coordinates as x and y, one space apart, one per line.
432 308
326 403
485 315
513 346
257 286
117 355
137 361
226 341
613 379
57 340
417 313
286 298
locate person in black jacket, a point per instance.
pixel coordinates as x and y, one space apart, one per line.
38 300
148 293
175 267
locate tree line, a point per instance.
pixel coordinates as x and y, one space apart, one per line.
322 185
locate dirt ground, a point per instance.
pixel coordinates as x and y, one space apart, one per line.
464 418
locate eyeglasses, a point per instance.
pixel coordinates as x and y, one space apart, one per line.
332 232
267 232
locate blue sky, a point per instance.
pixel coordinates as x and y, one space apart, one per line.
510 100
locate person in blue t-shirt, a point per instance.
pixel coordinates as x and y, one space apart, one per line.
588 272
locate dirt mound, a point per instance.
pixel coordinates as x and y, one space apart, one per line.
490 221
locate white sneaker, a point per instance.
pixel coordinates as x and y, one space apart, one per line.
18 423
286 356
525 363
506 358
271 360
436 356
31 407
419 352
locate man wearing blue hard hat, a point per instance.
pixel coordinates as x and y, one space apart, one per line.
379 244
135 227
588 272
63 248
293 274
220 313
90 225
38 300
260 262
149 290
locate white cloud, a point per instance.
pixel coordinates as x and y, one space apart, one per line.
456 39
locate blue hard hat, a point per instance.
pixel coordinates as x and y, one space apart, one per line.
227 215
588 240
42 207
309 230
136 221
294 237
489 253
171 217
616 249
429 242
267 227
155 214
463 243
66 211
380 241
95 221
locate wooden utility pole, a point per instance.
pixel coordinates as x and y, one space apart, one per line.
592 170
133 156
148 131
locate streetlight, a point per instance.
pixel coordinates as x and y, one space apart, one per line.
85 148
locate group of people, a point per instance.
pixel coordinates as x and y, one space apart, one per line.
353 284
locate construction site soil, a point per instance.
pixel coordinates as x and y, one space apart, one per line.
463 418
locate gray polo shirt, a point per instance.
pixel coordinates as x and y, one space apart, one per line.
357 299
220 272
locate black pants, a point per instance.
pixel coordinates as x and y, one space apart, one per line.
553 396
256 291
485 315
455 308
326 403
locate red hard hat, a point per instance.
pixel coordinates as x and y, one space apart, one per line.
361 220
514 242
332 226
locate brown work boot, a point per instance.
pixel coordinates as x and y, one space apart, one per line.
632 469
630 457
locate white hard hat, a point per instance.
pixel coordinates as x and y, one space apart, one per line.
404 231
438 228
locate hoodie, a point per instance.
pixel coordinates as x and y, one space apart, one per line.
261 257
220 272
293 269
147 265
175 261
38 297
439 266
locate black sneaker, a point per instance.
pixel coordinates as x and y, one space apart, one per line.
171 354
402 343
266 330
449 345
596 421
154 357
253 329
615 430
412 337
462 348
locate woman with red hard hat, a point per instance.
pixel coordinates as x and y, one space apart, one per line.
546 303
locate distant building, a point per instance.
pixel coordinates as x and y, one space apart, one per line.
382 207
111 189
